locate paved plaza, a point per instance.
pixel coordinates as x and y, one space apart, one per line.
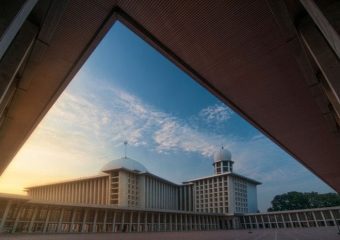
267 234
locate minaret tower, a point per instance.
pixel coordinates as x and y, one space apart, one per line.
222 161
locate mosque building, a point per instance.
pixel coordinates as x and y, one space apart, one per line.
126 183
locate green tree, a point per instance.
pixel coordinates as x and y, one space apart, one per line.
299 200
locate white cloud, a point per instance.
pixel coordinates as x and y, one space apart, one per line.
217 113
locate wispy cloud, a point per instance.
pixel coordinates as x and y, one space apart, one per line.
217 113
116 115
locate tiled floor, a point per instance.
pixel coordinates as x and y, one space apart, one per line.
279 234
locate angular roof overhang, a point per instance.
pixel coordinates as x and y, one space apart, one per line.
244 52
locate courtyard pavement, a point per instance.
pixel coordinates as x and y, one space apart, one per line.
267 234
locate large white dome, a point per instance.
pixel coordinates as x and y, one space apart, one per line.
126 163
222 155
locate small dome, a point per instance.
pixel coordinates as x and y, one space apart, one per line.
126 163
222 155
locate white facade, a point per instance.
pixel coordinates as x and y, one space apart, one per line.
127 183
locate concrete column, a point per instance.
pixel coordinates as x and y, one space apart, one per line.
62 192
4 216
17 218
181 225
152 222
71 192
186 222
323 218
122 221
94 226
159 222
46 220
176 222
198 222
170 220
138 222
298 218
96 191
131 221
161 196
262 220
87 192
190 223
30 227
291 221
84 221
333 218
185 198
104 221
276 223
114 221
103 191
145 222
91 192
315 220
60 220
283 221
72 220
165 224
307 220
59 193
189 198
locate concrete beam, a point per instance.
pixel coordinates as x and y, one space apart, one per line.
15 23
323 24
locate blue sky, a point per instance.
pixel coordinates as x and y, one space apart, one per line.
128 91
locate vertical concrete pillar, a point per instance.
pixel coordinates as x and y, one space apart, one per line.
114 221
30 227
94 226
159 222
186 221
62 193
138 222
131 221
283 221
165 221
333 218
185 198
314 219
199 227
307 220
122 220
103 191
4 215
46 220
181 224
291 221
60 220
262 220
276 223
72 220
84 220
104 221
299 220
323 218
176 222
145 222
17 218
152 222
170 221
